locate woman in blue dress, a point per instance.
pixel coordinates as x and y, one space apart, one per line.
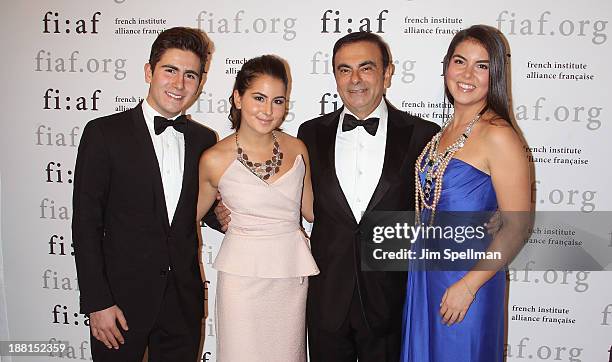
475 164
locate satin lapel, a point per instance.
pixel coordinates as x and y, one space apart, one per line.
189 156
144 144
398 134
326 145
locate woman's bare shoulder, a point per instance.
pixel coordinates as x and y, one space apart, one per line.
294 143
499 133
220 154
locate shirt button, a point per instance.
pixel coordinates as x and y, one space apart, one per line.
361 146
360 172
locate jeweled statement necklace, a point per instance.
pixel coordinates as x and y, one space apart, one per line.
263 170
434 168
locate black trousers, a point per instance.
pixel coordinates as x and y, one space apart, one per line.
353 341
170 339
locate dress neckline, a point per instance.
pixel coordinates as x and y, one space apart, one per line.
273 183
471 166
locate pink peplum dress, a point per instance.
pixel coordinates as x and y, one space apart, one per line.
262 265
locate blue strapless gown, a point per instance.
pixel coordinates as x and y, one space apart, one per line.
480 336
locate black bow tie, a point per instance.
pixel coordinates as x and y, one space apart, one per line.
161 123
350 122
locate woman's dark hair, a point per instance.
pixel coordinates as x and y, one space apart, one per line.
189 39
494 42
270 65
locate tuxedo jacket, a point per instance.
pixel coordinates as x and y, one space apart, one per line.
123 242
335 237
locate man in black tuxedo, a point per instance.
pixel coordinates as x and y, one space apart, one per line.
362 159
134 225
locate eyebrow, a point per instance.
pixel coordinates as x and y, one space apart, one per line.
364 63
173 67
464 58
263 95
367 62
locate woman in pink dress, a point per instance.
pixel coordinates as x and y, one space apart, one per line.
264 261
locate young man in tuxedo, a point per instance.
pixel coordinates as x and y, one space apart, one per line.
362 159
134 225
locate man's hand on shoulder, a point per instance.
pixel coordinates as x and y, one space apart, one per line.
103 324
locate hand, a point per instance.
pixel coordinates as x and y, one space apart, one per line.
455 302
222 213
494 223
103 324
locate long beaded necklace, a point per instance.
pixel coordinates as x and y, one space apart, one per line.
435 167
266 169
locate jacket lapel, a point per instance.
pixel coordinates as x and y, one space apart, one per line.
326 144
398 134
188 171
144 145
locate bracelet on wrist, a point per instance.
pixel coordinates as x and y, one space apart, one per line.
468 288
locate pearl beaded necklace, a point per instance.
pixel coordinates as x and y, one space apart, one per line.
435 167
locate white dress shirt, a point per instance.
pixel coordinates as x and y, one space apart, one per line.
170 151
359 160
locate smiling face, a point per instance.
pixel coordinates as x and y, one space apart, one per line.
360 77
262 106
467 75
173 82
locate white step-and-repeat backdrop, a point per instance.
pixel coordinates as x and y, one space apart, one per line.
66 62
